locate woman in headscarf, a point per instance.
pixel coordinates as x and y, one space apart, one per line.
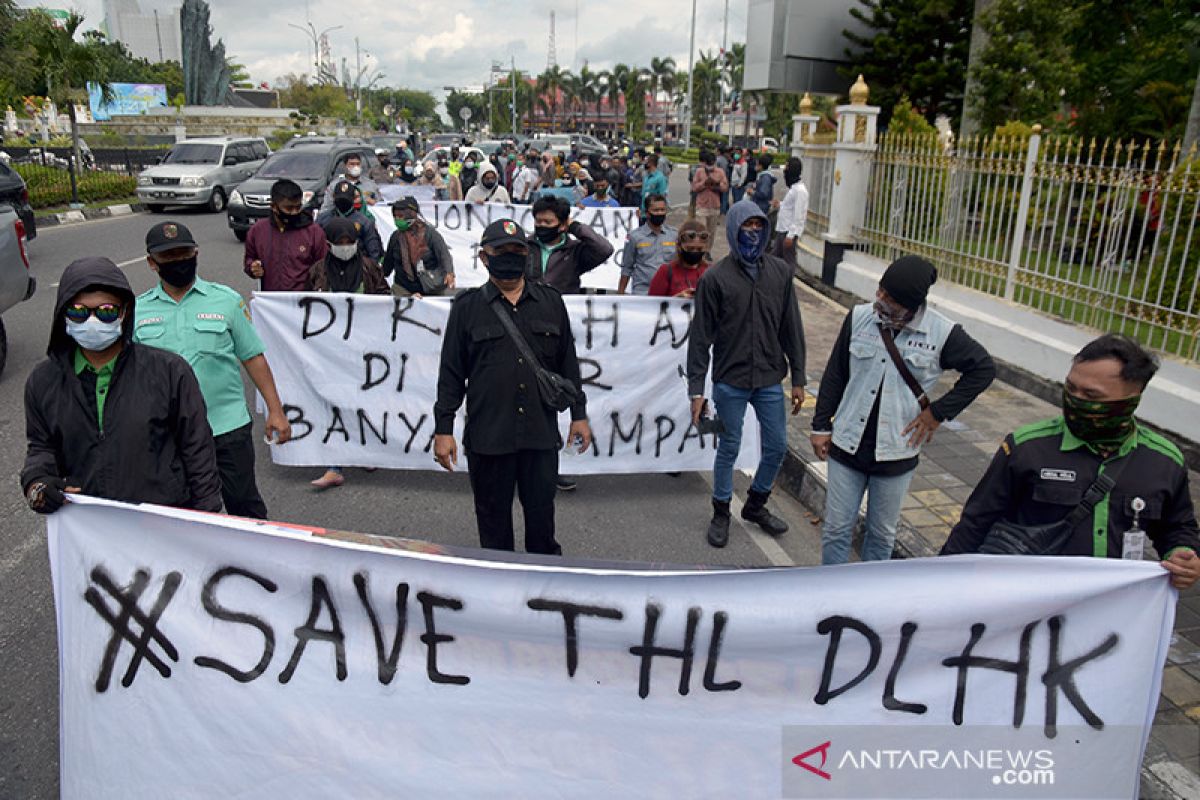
417 255
344 269
408 171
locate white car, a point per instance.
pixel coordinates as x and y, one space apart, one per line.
201 172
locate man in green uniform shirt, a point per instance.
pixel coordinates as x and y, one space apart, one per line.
209 325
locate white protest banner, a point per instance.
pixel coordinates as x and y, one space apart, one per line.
461 224
391 192
207 657
358 378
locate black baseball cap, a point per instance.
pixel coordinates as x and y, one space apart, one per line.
502 232
168 236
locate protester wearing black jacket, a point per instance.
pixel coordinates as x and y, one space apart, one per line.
747 315
122 421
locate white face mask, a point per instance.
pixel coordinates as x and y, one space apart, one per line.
94 334
354 172
343 252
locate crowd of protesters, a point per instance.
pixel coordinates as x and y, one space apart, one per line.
141 399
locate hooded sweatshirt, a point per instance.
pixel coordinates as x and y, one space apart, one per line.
746 312
481 194
155 445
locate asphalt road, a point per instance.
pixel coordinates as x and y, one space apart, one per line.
635 517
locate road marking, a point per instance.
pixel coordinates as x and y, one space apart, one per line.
765 542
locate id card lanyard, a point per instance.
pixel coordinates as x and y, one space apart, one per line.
1134 543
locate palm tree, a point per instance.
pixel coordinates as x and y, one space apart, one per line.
708 85
589 90
572 92
616 86
661 78
68 66
635 100
550 83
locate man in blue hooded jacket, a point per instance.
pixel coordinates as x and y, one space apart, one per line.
747 314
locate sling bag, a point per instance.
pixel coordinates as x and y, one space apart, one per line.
1010 539
890 343
556 392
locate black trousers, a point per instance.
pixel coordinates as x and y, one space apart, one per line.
532 474
235 461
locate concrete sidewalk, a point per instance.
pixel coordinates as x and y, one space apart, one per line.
949 468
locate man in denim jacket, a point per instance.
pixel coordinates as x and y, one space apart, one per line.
868 423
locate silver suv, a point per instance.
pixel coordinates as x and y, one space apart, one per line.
201 172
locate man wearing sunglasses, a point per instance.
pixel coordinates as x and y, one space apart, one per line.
209 325
110 418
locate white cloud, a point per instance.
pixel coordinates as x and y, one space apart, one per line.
451 41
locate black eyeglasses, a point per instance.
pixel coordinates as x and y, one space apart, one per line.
105 312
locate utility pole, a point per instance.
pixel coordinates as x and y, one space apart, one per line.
687 122
513 80
729 70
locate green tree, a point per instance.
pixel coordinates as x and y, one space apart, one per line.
917 48
590 90
68 66
238 76
906 119
549 85
1138 61
614 86
661 78
635 102
456 101
1028 69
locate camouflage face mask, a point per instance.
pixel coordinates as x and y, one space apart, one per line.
1101 423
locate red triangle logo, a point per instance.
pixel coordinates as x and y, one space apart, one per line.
823 749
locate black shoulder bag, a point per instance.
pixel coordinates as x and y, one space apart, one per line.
890 343
1010 539
557 393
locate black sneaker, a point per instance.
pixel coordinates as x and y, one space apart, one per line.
565 485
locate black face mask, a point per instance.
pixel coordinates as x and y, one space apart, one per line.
657 219
489 183
691 257
179 274
546 233
506 266
294 221
343 204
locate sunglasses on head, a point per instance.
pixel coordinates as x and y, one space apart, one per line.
105 312
695 236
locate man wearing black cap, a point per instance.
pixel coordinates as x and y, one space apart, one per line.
110 418
511 438
209 325
872 415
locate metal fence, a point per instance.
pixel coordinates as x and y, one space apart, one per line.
1100 234
818 177
106 173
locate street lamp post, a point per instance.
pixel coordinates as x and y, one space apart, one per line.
687 121
316 40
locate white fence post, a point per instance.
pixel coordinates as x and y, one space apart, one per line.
1022 222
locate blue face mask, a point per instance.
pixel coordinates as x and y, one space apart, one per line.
751 244
94 334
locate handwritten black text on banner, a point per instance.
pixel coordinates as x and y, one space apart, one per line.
358 377
323 668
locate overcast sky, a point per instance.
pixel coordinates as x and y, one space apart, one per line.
429 44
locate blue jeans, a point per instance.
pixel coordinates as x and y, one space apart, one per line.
770 408
843 497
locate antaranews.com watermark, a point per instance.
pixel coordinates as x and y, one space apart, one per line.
959 763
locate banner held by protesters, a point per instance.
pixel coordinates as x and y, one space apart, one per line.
358 378
461 224
326 668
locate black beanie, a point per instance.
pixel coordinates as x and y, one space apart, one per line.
907 281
